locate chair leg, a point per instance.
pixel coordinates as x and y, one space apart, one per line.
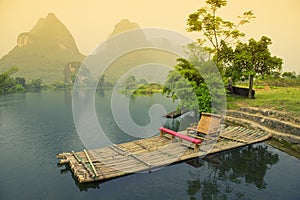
162 134
173 138
196 147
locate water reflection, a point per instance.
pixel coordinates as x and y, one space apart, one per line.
81 186
100 92
219 176
68 97
34 127
216 177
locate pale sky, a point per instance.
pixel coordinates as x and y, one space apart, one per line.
91 21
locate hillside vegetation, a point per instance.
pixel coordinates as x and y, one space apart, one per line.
43 52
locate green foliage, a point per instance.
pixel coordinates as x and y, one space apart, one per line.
276 79
197 87
291 75
44 52
148 88
19 88
249 60
59 85
132 85
214 28
21 81
196 82
36 83
8 84
255 57
180 88
70 72
77 70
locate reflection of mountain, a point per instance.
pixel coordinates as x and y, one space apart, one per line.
43 51
246 165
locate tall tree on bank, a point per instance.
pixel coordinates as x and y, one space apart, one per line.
250 59
197 83
215 29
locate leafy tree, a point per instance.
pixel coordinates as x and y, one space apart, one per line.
21 81
7 82
196 82
275 75
179 87
130 83
5 75
250 59
215 29
36 83
19 88
291 75
196 86
143 81
70 72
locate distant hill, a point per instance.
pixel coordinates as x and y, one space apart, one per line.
138 57
43 52
124 25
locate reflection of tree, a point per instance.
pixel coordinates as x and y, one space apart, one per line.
248 165
193 185
81 186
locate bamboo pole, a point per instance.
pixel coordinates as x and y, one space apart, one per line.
88 157
82 162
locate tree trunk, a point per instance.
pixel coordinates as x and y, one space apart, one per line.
250 86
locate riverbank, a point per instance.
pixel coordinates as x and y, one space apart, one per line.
285 99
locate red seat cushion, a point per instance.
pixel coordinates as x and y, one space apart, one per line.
179 135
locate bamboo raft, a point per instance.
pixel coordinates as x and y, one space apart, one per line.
150 153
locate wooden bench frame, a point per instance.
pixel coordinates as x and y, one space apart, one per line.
209 125
196 142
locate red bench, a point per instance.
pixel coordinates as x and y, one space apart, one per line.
174 134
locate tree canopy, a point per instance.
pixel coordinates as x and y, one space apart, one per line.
291 75
9 84
215 29
196 82
249 59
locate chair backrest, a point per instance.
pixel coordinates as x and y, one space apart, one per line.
209 123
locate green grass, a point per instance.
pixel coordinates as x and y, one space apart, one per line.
284 99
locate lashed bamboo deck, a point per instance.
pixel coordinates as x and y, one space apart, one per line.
147 154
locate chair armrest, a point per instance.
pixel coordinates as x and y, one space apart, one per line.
191 129
196 136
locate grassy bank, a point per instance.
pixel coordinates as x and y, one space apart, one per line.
291 149
286 99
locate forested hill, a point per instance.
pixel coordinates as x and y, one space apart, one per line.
43 52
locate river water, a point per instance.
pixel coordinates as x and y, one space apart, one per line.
34 127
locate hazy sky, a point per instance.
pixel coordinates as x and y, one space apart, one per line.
91 21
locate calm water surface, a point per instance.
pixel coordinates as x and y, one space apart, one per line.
34 127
